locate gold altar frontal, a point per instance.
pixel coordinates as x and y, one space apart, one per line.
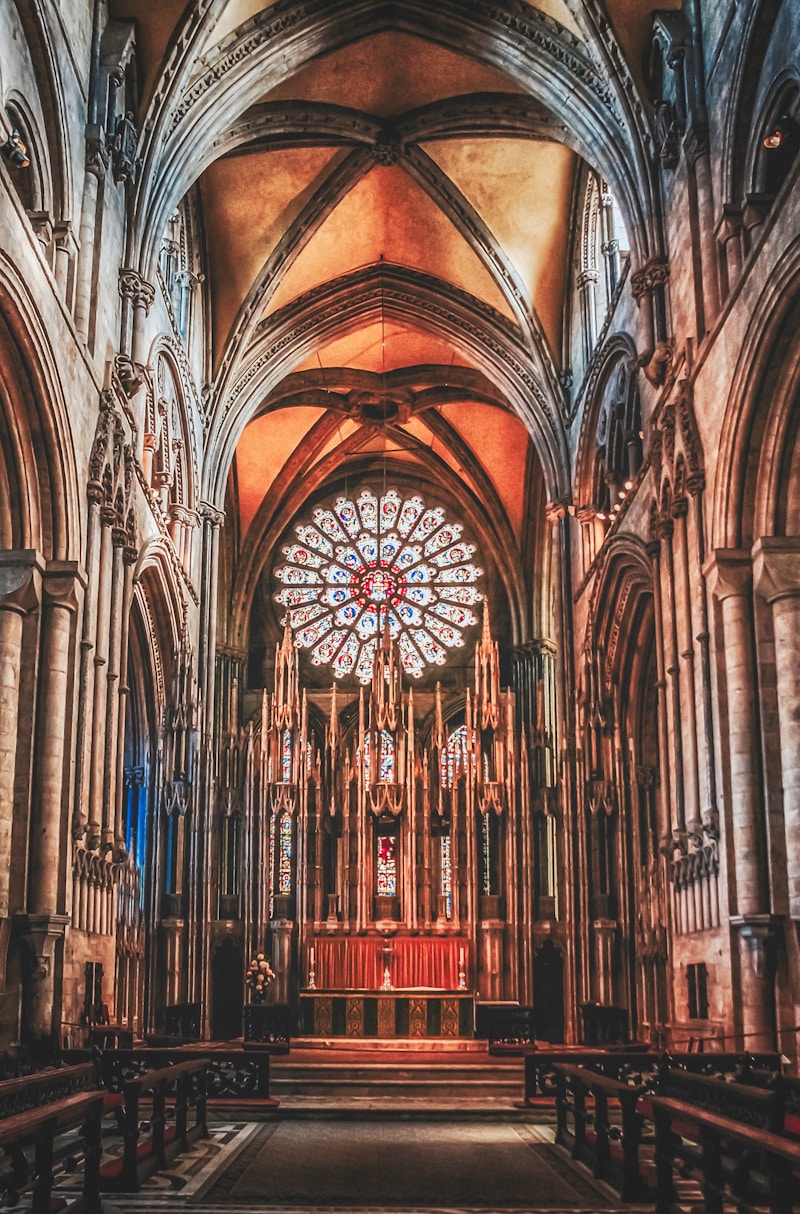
387 1014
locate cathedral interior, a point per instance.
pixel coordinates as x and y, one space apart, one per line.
400 517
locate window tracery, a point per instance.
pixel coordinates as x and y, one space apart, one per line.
362 567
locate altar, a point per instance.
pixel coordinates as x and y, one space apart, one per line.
397 1013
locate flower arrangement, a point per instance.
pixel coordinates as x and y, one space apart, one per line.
258 976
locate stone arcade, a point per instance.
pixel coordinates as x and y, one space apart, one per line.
400 515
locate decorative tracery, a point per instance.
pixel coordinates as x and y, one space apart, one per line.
361 567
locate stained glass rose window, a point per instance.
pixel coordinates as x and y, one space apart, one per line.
360 565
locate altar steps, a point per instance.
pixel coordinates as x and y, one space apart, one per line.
409 1081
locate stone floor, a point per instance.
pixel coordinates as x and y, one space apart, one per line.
369 1166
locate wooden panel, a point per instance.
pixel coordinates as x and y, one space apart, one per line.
355 1017
386 1017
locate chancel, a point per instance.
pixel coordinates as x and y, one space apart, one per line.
399 532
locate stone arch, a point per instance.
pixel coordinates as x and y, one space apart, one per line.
38 496
610 446
33 183
487 340
778 124
533 49
756 486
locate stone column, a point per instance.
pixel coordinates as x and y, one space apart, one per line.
129 556
44 925
60 604
696 147
730 574
201 906
776 568
99 699
686 675
96 167
20 589
110 835
666 528
587 283
610 243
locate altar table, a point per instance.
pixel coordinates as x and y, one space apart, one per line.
396 1013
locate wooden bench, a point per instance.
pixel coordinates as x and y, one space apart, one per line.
186 1083
39 1128
737 1165
589 1096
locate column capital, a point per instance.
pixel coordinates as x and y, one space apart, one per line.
556 511
63 580
21 581
776 567
729 572
210 514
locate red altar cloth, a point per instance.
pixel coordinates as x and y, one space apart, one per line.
357 964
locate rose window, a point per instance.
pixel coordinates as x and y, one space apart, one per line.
361 566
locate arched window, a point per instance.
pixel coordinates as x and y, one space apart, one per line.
777 141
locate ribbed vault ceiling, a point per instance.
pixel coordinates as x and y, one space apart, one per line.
386 148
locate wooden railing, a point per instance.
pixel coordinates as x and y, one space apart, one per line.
629 1067
185 1084
38 1128
592 1132
231 1075
735 1165
45 1087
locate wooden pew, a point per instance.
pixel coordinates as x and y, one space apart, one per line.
141 1159
735 1164
588 1095
39 1128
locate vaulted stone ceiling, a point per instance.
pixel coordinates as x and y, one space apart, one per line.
391 150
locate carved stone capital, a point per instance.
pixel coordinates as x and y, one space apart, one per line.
556 511
729 573
776 567
210 514
20 581
61 583
132 286
43 932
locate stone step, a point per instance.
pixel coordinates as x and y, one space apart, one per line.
431 1079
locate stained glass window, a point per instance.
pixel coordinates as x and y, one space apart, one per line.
285 856
286 757
272 831
387 757
455 756
447 876
361 565
486 845
387 865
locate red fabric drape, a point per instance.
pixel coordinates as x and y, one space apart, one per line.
357 964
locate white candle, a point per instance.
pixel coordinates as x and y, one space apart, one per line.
461 958
311 959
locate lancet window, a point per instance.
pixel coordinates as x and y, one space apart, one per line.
285 856
387 866
446 874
